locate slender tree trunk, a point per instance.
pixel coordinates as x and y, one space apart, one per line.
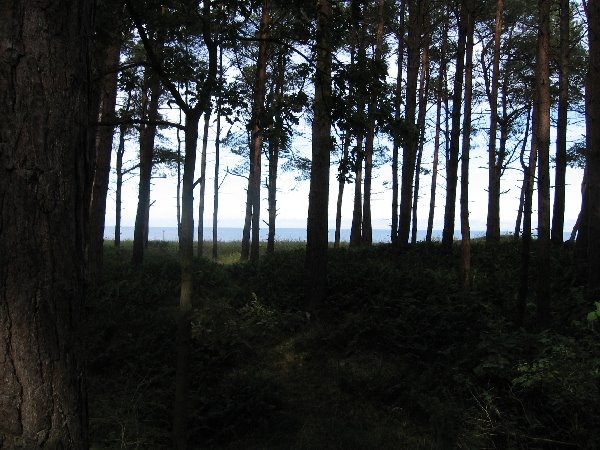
438 126
245 254
44 199
529 172
366 237
274 149
493 214
356 228
103 150
215 221
558 215
452 154
416 10
119 187
367 228
202 183
257 131
147 135
543 146
423 95
397 106
525 168
465 246
343 171
317 231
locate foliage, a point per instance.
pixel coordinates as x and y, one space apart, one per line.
398 357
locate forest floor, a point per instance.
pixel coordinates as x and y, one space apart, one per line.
398 357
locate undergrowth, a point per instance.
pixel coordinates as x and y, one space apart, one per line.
399 357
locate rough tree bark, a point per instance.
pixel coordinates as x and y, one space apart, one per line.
45 184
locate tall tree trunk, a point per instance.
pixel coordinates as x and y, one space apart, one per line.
543 147
465 246
119 187
215 221
423 95
558 215
317 231
441 92
591 203
492 233
274 149
452 154
147 135
103 153
44 199
367 228
356 227
525 168
397 106
186 234
416 10
202 183
256 139
186 254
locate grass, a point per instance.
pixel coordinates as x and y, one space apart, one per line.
399 358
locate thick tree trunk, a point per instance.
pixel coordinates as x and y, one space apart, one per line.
103 150
317 223
44 198
558 214
416 10
202 183
147 135
492 233
452 154
543 147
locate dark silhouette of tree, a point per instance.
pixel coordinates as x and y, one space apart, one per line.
317 226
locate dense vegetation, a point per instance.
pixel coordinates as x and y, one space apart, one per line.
397 357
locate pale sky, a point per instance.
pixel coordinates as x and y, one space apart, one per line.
293 195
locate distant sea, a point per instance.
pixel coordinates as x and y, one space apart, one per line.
281 234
